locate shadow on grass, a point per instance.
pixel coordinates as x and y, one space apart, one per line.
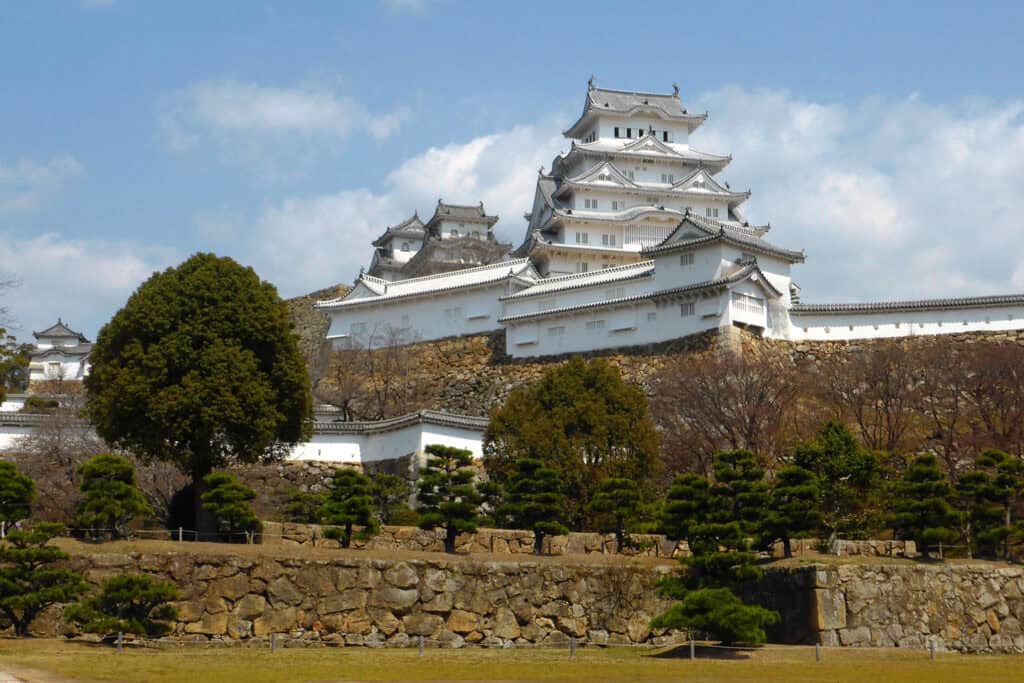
719 652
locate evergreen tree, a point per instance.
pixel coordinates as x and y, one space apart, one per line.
988 497
492 498
535 501
921 505
390 495
686 506
619 501
350 504
849 477
227 500
304 507
132 603
794 507
447 494
739 494
720 614
110 498
201 368
29 580
582 420
17 491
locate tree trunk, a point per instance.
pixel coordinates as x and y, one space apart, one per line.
538 543
449 539
346 538
787 547
205 523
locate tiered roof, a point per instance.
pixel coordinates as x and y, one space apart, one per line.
411 227
60 331
551 285
629 103
696 231
461 213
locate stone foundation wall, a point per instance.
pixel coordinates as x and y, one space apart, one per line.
501 541
843 548
970 608
374 602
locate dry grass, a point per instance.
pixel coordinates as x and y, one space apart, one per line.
75 661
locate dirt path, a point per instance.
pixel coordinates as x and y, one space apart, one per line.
17 674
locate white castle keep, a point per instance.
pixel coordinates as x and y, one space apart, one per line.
632 239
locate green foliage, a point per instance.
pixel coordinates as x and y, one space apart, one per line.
14 361
132 603
794 507
849 477
535 501
303 507
201 367
718 613
29 581
582 420
390 494
618 502
447 494
37 405
686 506
110 498
227 500
17 491
350 504
988 498
921 505
739 495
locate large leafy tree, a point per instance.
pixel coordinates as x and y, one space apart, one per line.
30 580
110 499
794 507
921 508
17 491
350 504
447 493
582 420
535 501
201 367
129 603
228 501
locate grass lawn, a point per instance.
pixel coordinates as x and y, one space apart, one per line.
81 662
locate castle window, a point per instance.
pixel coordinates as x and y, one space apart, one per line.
454 233
589 203
582 238
629 174
668 178
664 136
582 267
556 331
652 317
687 309
476 234
629 132
686 259
616 131
405 246
595 325
615 205
608 240
711 213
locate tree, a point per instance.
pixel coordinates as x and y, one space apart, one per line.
921 507
686 506
794 506
582 420
202 368
849 478
350 504
17 491
129 603
988 498
619 500
739 494
227 500
110 498
447 494
720 614
14 361
390 495
29 580
535 501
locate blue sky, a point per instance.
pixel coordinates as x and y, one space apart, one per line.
885 138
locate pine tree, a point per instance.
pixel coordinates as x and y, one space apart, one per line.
227 500
110 498
390 495
620 501
685 506
794 507
132 603
739 494
350 504
988 497
535 501
29 580
17 491
921 505
447 494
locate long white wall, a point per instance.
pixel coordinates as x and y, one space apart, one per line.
841 326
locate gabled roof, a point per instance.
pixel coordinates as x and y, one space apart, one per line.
701 182
715 232
80 351
628 103
410 227
463 213
910 305
592 278
60 331
748 271
433 417
646 147
518 269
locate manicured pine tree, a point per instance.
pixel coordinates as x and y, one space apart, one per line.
350 504
30 581
447 493
620 501
794 506
921 505
17 491
132 603
686 506
987 497
390 495
110 498
227 500
739 494
535 501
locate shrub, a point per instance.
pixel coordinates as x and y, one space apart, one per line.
227 500
111 500
132 603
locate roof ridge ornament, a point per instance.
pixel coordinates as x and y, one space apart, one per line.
675 90
590 82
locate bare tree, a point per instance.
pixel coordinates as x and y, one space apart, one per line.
995 391
943 403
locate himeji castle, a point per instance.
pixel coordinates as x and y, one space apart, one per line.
633 238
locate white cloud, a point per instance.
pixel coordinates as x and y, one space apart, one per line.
83 281
25 185
273 130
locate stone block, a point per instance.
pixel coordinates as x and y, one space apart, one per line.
209 624
275 620
829 609
505 624
250 607
462 622
283 591
858 636
401 575
421 624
